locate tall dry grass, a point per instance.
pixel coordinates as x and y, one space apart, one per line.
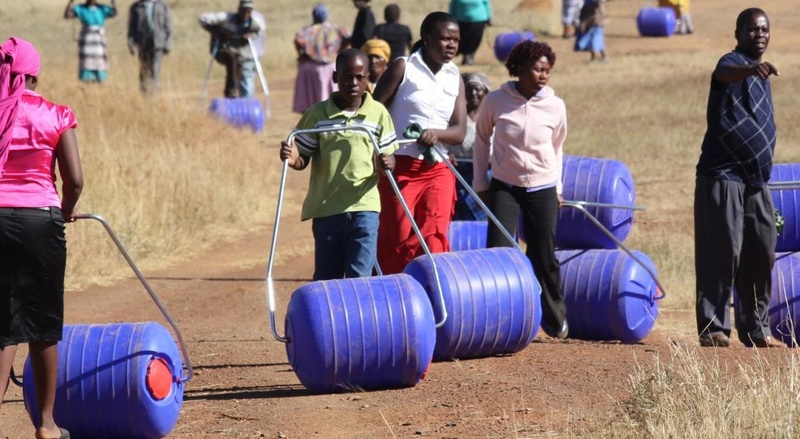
699 393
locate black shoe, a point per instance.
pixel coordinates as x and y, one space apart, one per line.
715 340
561 333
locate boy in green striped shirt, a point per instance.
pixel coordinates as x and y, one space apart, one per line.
343 200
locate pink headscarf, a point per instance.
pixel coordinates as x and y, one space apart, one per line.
17 57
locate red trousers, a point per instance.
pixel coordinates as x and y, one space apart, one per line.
429 192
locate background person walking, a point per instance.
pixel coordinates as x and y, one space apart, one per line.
230 32
472 16
734 223
149 36
92 52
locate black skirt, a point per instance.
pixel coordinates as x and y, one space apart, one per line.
471 36
33 256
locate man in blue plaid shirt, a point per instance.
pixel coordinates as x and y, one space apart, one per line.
733 215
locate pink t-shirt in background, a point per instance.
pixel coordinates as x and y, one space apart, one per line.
29 178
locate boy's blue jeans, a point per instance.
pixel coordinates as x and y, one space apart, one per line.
345 245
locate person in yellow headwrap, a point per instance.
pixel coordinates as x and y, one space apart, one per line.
379 54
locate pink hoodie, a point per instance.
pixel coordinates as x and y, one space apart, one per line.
529 134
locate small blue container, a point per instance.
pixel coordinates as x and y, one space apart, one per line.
788 204
656 22
467 235
506 41
492 299
599 181
360 333
241 112
117 380
609 296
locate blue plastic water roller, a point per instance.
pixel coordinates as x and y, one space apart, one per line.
118 380
784 304
241 112
467 235
787 201
506 41
360 333
492 300
656 22
609 296
600 181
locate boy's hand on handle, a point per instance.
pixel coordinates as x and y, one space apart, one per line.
289 154
387 161
764 69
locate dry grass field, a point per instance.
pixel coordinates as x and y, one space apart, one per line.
193 200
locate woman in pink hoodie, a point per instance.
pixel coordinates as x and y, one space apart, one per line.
529 124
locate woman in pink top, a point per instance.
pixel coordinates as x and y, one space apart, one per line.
529 124
36 135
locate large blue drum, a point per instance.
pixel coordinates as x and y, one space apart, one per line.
467 235
119 380
506 41
656 22
787 202
241 112
784 304
362 333
492 300
609 296
599 181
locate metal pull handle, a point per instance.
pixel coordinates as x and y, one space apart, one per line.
140 276
580 206
262 78
273 245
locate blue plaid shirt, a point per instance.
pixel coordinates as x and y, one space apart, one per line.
740 139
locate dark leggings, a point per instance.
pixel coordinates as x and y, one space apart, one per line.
539 214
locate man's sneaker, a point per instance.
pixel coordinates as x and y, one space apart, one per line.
561 333
715 340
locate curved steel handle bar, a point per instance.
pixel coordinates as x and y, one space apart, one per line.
208 71
483 206
580 207
262 78
607 205
270 263
140 276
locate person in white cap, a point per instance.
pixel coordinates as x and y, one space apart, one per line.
229 44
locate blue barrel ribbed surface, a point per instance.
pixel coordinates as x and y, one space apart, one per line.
492 299
241 112
656 22
506 41
787 201
784 304
362 333
599 181
609 296
103 386
467 235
